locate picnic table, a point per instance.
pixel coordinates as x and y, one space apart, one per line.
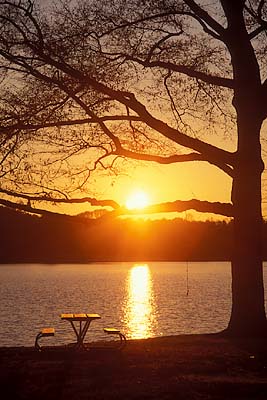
80 324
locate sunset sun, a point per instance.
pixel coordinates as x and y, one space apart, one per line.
137 200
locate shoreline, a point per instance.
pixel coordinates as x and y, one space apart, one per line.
194 367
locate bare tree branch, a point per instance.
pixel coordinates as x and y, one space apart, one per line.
27 208
225 209
177 158
47 198
204 16
58 124
211 79
212 153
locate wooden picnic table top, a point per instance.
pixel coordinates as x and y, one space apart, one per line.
79 317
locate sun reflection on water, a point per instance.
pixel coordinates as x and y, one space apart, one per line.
139 311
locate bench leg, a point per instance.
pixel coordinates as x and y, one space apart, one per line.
36 344
43 333
119 344
122 341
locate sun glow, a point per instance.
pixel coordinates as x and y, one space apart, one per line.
137 200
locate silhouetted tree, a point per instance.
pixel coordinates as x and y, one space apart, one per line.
129 79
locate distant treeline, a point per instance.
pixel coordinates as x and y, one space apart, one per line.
26 238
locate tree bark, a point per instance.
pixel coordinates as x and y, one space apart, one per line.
248 312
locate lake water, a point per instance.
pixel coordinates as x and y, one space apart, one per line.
142 299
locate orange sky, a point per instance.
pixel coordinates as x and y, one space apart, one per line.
181 181
172 182
163 183
167 183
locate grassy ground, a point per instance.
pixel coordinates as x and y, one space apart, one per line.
176 367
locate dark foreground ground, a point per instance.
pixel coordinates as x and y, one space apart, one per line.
178 367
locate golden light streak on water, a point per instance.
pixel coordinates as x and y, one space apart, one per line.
140 317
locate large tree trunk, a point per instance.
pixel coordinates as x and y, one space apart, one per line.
248 313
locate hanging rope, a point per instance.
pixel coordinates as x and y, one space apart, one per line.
187 268
187 279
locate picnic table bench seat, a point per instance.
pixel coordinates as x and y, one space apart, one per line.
45 332
115 331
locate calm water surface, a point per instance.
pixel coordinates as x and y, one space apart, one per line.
142 299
